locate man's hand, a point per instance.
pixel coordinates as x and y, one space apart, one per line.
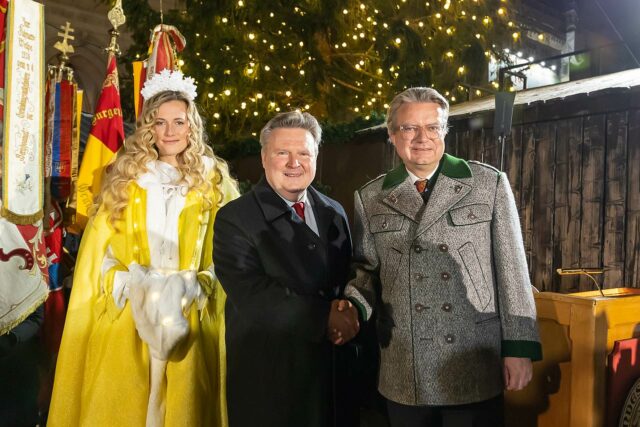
517 372
343 322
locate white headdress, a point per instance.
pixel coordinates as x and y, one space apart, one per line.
169 80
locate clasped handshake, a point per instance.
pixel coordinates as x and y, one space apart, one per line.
343 322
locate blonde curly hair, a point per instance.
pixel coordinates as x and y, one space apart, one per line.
139 149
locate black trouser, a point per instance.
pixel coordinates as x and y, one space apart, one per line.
487 413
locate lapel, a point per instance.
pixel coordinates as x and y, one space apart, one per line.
453 183
272 205
402 196
274 208
323 211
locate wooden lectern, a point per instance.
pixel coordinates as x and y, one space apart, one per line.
577 331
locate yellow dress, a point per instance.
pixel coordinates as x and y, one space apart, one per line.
102 372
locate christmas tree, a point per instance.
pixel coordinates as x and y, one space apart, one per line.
338 59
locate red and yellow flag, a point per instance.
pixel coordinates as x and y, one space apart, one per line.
105 138
165 41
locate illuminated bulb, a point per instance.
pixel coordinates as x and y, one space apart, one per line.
501 11
398 40
267 68
181 62
259 95
225 20
361 35
345 11
251 36
216 115
210 95
515 35
255 113
240 3
227 92
302 72
477 36
438 15
288 93
306 106
541 37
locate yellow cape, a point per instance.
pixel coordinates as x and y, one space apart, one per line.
102 373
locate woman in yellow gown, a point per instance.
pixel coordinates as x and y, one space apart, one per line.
143 342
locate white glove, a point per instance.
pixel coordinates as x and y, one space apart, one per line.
156 304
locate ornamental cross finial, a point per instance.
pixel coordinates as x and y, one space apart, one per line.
63 46
116 15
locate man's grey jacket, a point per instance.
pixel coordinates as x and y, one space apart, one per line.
449 282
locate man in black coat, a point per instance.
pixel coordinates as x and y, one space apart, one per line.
281 253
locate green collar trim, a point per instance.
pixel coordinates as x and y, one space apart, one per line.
454 167
451 166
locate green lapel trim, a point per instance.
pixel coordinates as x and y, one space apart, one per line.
452 167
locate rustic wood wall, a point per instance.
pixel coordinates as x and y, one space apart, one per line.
574 167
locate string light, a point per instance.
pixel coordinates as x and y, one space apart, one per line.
240 81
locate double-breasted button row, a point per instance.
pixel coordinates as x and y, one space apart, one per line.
417 249
445 275
443 247
447 307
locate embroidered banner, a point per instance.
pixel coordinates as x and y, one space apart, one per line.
22 186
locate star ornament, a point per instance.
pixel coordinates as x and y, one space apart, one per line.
167 80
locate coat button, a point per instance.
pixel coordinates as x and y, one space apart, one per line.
443 248
417 249
446 307
385 225
457 188
311 246
445 276
471 215
449 339
418 276
419 307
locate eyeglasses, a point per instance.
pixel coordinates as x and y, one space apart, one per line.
411 131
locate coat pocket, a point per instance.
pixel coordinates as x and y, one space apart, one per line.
382 223
480 295
470 214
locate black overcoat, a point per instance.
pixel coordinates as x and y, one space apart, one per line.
280 278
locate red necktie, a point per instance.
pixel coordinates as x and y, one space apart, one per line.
421 185
299 208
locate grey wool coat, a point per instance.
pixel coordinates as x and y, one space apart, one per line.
449 282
